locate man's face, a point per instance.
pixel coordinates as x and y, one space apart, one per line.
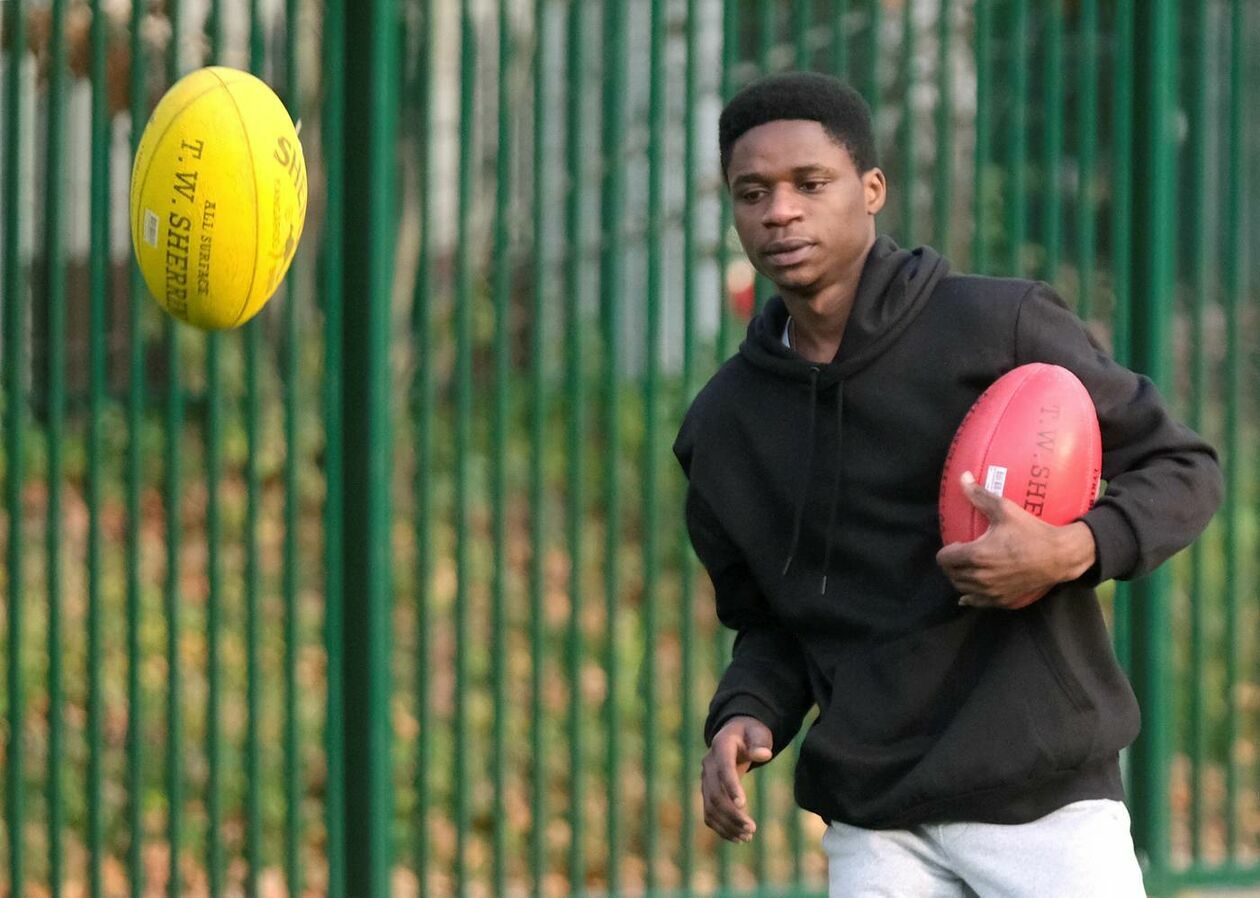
804 213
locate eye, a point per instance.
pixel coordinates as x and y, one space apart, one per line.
752 195
813 185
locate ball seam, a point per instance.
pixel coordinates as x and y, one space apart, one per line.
253 181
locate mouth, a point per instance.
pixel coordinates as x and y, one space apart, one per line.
785 253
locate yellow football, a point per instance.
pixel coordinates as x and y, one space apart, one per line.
218 197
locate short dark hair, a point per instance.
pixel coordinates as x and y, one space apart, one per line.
835 105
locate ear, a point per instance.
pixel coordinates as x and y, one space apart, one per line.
875 187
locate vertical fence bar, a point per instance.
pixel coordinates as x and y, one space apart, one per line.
1153 274
214 565
1052 202
336 723
1121 241
253 574
1087 127
726 88
612 270
14 444
503 259
840 39
172 506
730 58
1232 287
1244 22
906 136
980 181
1018 53
423 400
54 250
767 36
463 438
1200 286
292 760
369 65
763 288
651 431
172 467
1122 146
575 158
214 615
802 25
98 267
686 785
870 83
537 450
135 412
943 168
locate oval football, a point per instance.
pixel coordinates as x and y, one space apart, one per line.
1031 437
218 197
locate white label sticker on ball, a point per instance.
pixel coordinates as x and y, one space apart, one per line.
995 479
150 227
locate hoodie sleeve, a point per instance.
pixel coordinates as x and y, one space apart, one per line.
1163 481
767 678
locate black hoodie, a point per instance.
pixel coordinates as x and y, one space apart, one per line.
812 503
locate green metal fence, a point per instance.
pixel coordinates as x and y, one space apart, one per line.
388 592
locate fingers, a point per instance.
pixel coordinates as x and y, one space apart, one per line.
967 575
722 813
728 775
972 600
744 741
964 565
1006 567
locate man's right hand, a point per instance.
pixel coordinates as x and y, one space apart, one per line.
742 742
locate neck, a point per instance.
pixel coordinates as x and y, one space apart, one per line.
819 318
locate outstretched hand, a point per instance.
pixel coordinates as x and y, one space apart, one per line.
1018 559
742 742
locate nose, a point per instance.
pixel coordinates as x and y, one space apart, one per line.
783 207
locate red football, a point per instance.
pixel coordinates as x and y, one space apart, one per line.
1032 437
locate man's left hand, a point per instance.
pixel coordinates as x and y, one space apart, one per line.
1020 556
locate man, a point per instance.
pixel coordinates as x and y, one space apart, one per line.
964 745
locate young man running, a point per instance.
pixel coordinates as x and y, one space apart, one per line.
964 745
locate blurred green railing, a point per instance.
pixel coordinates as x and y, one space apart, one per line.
388 592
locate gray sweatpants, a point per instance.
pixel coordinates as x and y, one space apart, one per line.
1082 850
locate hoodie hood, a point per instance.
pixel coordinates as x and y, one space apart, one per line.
894 287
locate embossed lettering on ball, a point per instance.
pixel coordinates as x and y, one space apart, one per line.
218 197
1031 437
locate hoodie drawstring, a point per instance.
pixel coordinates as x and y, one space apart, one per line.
835 485
809 461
